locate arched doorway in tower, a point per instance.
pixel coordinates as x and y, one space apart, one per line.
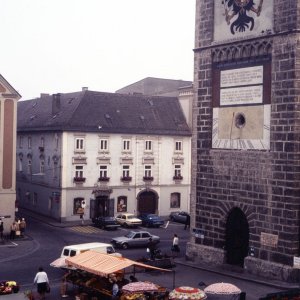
147 202
237 237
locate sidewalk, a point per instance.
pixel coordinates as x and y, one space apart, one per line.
22 246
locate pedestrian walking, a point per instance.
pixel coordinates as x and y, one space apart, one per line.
13 229
22 227
175 245
187 222
42 281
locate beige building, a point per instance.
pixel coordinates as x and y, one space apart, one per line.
8 110
110 152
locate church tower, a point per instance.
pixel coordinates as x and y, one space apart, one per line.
245 200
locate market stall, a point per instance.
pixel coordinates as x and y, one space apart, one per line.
142 291
94 273
222 291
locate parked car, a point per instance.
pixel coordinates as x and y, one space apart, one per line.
151 220
128 220
134 239
178 216
106 222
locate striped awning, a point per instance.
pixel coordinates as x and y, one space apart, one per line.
103 264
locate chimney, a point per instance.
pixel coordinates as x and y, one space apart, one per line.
85 88
43 95
55 104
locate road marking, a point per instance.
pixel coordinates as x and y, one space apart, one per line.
85 229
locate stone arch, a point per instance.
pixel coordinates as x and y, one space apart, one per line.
236 237
147 201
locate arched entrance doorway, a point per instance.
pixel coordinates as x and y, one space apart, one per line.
147 202
237 237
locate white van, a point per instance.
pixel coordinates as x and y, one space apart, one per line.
72 250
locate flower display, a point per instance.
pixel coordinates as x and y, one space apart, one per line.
187 293
222 288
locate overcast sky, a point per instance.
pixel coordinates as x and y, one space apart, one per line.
58 46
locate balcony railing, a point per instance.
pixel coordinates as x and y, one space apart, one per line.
126 178
177 177
103 179
79 179
148 178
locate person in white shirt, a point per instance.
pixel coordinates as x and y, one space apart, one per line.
175 244
42 281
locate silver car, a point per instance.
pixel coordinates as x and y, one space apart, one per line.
134 239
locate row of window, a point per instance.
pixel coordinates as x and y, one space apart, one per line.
103 171
103 144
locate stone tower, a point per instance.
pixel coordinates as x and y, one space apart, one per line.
245 200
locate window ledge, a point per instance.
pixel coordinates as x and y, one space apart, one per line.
79 179
103 179
127 178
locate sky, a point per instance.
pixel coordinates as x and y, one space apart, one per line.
60 46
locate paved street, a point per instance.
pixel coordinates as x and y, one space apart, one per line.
44 242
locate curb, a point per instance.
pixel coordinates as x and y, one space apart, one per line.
239 276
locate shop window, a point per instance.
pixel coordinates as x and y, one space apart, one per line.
175 200
77 206
122 204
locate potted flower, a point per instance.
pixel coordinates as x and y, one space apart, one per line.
103 179
126 178
79 179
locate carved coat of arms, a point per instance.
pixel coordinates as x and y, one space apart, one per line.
237 11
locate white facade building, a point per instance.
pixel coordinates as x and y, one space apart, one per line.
98 154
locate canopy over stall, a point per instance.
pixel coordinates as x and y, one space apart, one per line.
222 291
104 264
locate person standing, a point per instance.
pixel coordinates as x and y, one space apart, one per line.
151 246
22 227
1 230
42 281
13 229
187 222
175 245
115 290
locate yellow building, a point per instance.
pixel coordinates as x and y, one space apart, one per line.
8 117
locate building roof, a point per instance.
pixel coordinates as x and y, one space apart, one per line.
89 111
155 87
4 84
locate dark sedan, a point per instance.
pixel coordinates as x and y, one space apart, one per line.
179 216
151 220
106 222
